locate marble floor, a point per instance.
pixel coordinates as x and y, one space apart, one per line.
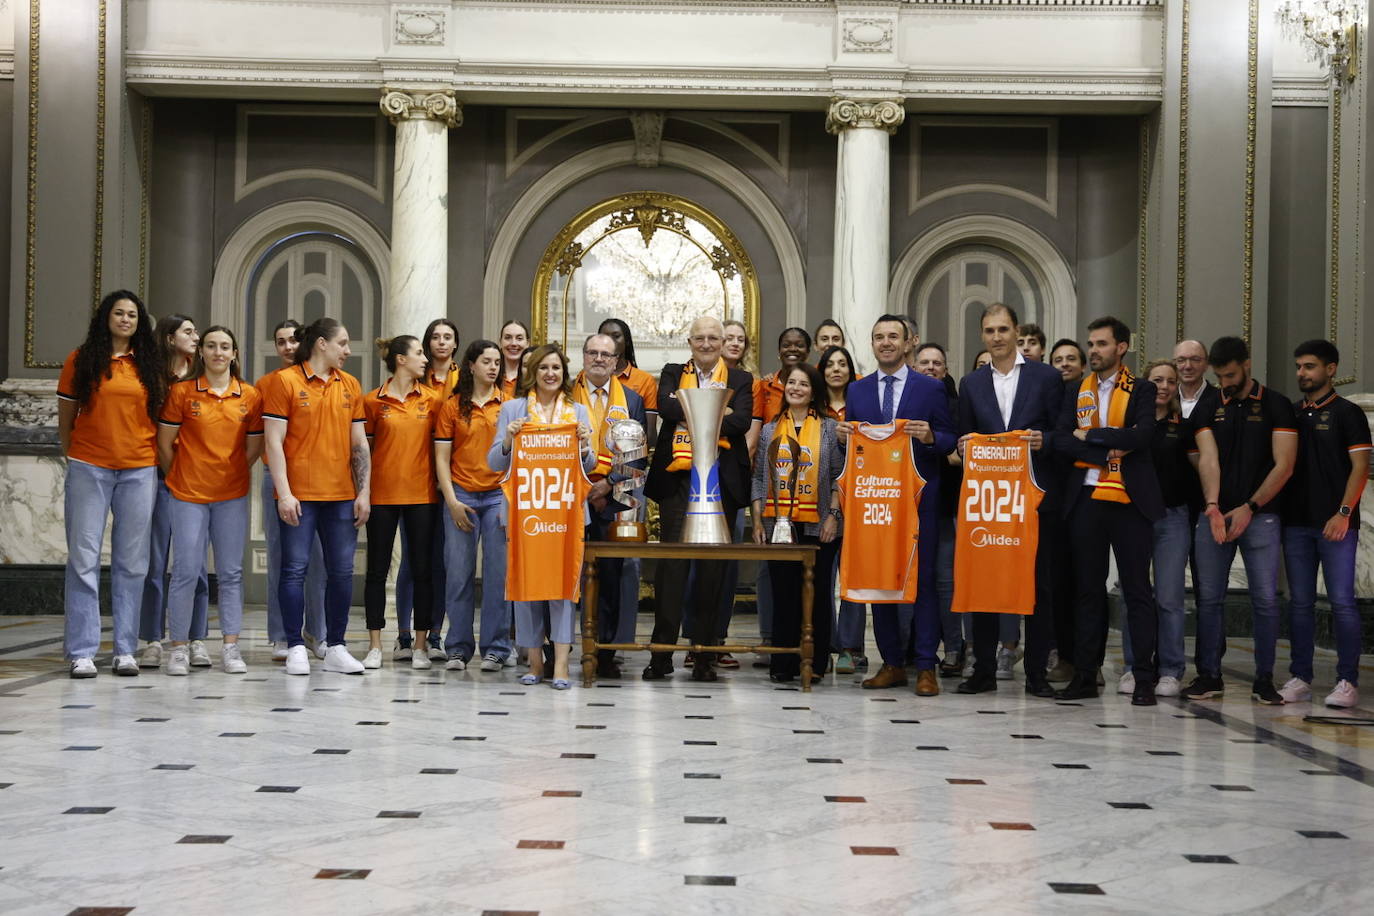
411 791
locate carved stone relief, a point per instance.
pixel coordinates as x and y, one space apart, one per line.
419 27
860 35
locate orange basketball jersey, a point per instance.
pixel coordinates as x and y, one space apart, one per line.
546 489
880 490
999 527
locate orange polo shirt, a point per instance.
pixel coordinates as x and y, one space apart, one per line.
644 384
508 385
472 439
444 388
319 414
402 453
767 398
211 460
113 429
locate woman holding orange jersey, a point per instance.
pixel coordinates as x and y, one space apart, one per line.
515 343
471 492
110 390
400 425
209 435
321 468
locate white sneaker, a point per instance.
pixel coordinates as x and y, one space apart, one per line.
509 660
1006 660
84 667
231 659
437 653
1345 695
199 657
1296 691
178 662
1052 660
1168 687
373 659
298 660
1127 684
420 662
968 667
152 656
321 648
339 659
455 663
403 652
278 651
491 662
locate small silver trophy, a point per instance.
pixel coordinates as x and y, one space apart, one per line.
626 442
783 532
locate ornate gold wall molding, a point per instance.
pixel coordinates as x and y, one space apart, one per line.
845 114
1181 274
1142 255
98 249
145 173
1247 292
31 205
438 105
1339 95
1334 283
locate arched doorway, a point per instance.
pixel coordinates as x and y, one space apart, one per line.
952 291
656 260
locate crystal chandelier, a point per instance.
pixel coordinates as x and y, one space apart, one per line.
1329 31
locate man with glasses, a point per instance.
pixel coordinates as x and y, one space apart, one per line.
669 484
1190 358
598 387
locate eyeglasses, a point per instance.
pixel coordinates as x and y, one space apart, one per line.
598 354
700 339
1191 360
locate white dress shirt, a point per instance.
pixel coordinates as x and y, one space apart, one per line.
1105 387
897 386
1186 403
1004 386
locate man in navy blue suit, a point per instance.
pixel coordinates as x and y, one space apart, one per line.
1010 393
895 391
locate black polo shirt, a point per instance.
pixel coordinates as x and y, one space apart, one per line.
1243 429
1328 432
1178 482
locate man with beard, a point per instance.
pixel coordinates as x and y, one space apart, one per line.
1247 442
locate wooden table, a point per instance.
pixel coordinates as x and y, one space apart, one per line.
596 550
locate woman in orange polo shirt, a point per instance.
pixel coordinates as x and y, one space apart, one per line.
400 425
209 436
515 343
321 469
472 511
110 390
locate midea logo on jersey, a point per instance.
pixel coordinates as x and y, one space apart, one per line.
533 524
982 537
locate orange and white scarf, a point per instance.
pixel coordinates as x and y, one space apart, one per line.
1110 485
682 439
801 504
563 411
616 409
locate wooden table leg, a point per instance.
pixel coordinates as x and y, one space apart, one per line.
808 641
589 598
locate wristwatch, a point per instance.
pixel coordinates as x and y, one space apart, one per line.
1254 506
1344 511
838 516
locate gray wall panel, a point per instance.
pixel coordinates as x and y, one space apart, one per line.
1106 151
182 204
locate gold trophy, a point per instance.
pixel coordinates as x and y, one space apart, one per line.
626 441
783 532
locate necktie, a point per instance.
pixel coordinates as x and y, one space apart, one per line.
599 407
888 407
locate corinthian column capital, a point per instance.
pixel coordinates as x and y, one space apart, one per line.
884 114
436 105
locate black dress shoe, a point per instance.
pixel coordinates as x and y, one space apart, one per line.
781 678
976 684
1143 695
703 672
652 673
1039 687
1082 687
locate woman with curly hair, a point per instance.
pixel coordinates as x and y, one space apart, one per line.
109 396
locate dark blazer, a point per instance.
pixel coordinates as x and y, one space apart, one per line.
1039 397
923 398
1136 437
735 472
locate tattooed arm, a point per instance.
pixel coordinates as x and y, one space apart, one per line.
361 466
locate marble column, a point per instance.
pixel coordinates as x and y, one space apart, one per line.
418 288
862 263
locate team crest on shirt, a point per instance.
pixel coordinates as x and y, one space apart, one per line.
895 455
195 408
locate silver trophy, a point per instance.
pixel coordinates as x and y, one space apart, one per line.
782 522
626 442
704 409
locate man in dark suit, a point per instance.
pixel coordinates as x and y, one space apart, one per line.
897 392
1010 393
600 389
669 488
1111 499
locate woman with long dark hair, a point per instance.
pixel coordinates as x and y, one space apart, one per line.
471 492
400 425
321 468
178 347
209 436
110 391
836 368
515 343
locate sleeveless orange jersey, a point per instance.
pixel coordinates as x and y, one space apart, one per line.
545 490
880 490
999 527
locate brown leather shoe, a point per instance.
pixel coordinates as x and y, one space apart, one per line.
927 684
887 676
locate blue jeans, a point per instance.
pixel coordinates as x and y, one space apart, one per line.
223 526
1303 550
152 619
314 572
951 624
91 494
405 584
1259 550
331 523
460 558
1172 541
529 622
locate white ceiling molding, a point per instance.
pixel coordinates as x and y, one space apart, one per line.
603 158
1049 203
376 189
